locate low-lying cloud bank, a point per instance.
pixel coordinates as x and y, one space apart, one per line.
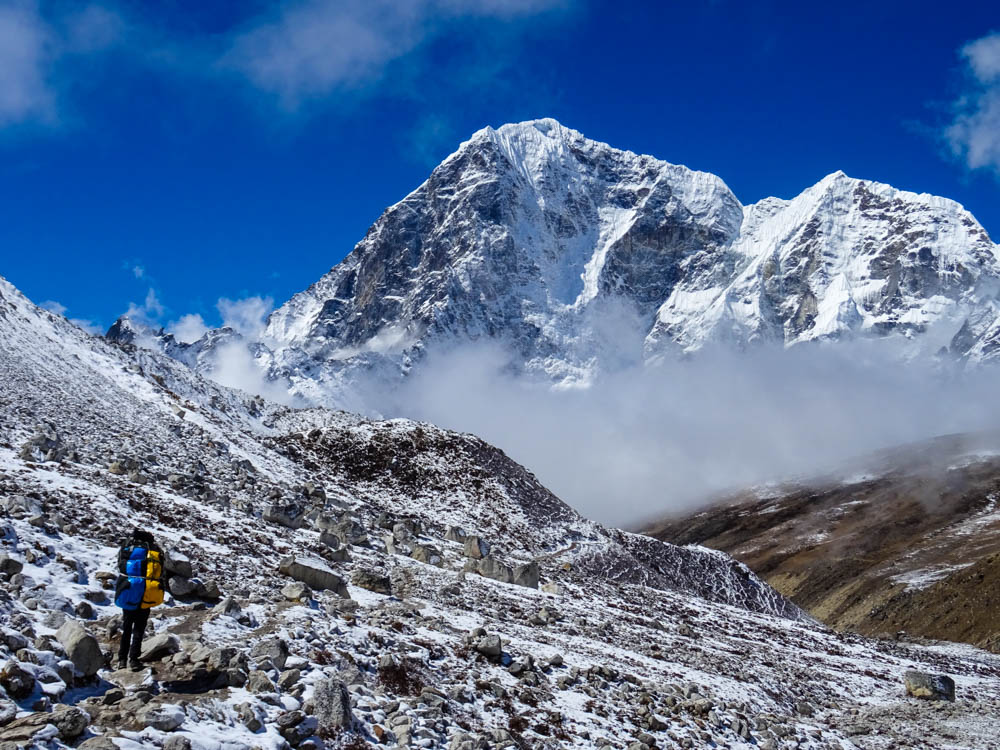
665 438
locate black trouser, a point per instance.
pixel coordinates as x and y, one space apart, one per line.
133 627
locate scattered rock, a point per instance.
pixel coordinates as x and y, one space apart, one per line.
372 581
526 575
332 706
476 548
81 648
929 686
165 718
428 554
160 645
289 514
16 680
296 592
10 565
314 573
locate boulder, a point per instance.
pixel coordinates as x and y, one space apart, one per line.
490 567
16 680
116 467
178 564
931 687
274 650
326 521
314 573
476 547
372 581
160 645
10 565
296 591
182 587
351 531
428 554
331 706
165 718
70 722
489 645
286 513
259 682
81 648
527 575
455 534
229 607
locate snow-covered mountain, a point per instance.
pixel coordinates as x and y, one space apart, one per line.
579 257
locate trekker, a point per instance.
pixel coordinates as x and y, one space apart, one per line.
139 588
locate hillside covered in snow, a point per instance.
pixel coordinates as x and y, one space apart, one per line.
343 582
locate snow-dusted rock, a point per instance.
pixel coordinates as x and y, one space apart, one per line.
934 687
332 705
81 647
314 573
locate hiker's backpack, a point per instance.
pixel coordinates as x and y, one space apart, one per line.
140 585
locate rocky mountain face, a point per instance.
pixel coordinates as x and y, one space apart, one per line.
342 582
910 543
579 257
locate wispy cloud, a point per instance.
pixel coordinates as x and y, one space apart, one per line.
311 48
247 316
188 328
60 309
54 307
32 47
149 312
974 134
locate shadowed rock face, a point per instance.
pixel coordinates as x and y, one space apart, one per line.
915 546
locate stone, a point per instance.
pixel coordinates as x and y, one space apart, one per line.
476 548
70 723
526 575
455 534
929 686
178 564
228 607
16 680
296 592
165 718
289 514
159 646
10 565
176 742
489 645
315 574
116 467
207 589
332 706
182 587
274 650
81 648
372 581
428 554
288 678
259 682
351 531
490 567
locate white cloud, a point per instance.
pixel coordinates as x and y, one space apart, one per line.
25 52
247 316
138 271
54 307
149 312
188 328
31 49
974 134
88 325
311 48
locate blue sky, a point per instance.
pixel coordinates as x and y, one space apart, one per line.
188 158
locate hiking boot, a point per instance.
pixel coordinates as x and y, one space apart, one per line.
121 662
135 665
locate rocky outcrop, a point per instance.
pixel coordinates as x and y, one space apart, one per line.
314 573
81 647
